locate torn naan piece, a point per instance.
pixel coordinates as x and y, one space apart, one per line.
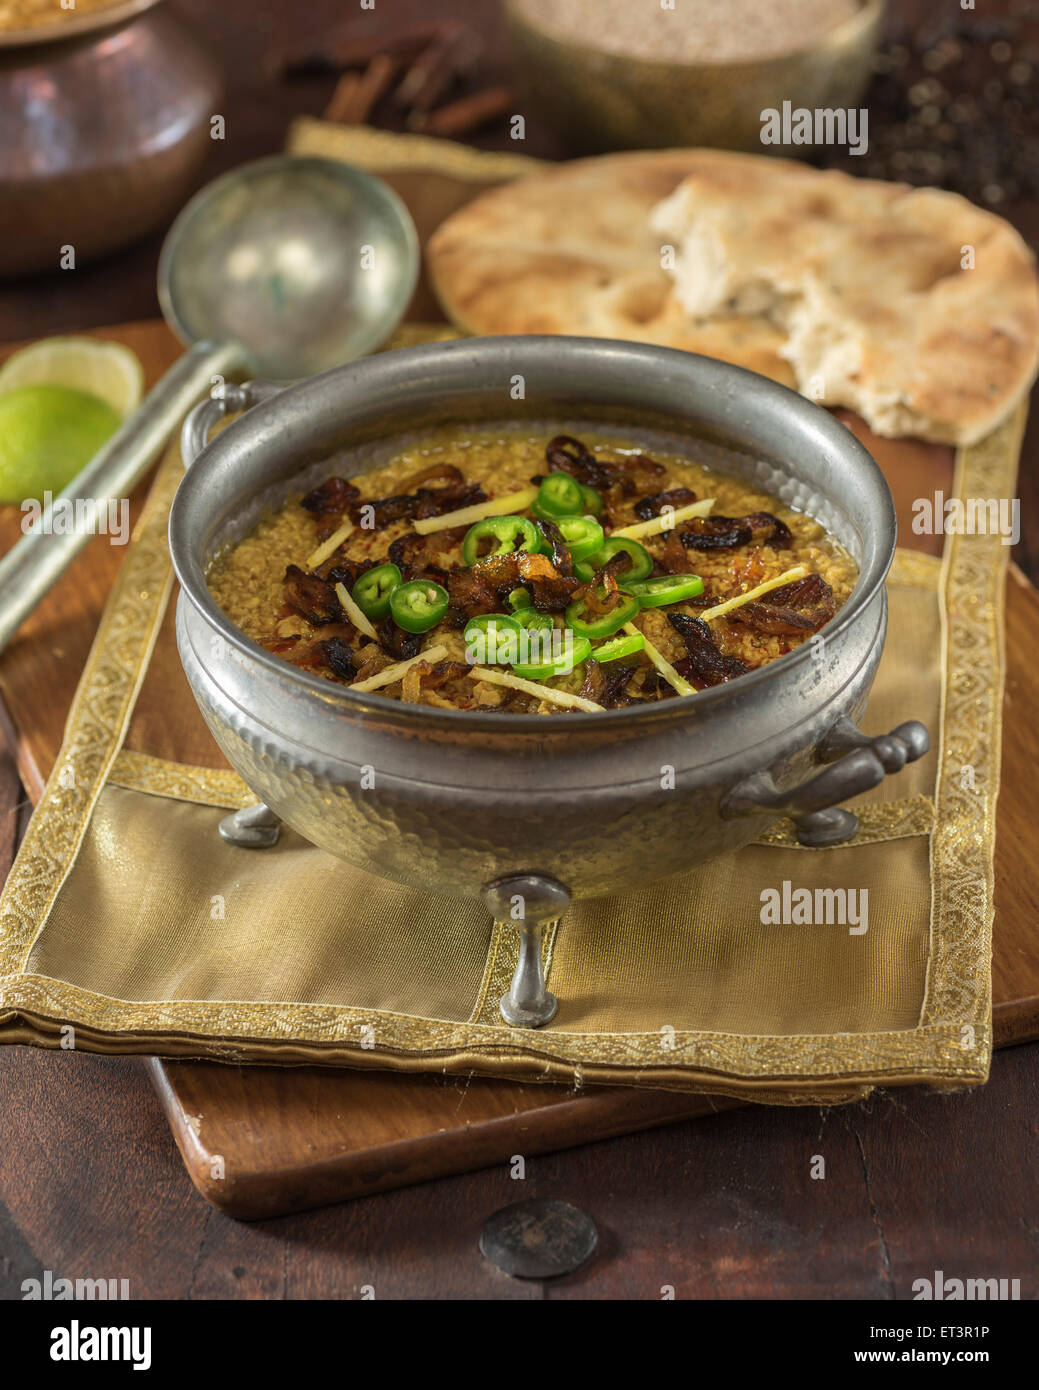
572 251
909 305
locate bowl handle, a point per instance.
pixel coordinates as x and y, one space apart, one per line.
224 400
813 805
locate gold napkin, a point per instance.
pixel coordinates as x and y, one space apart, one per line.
127 920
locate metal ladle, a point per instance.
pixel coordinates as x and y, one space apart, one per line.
281 268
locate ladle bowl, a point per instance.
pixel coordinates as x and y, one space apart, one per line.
306 262
283 268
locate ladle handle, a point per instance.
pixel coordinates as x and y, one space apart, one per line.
38 560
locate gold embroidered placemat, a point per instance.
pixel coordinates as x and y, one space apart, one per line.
128 921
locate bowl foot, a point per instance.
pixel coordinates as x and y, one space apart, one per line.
528 902
831 827
254 827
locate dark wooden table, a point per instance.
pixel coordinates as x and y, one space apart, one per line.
90 1181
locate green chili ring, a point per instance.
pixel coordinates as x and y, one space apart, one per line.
641 566
374 589
591 502
559 495
582 535
616 647
531 618
581 650
511 532
666 588
495 638
418 605
606 624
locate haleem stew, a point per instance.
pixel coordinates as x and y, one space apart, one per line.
532 575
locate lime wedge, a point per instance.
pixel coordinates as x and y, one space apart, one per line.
107 370
47 434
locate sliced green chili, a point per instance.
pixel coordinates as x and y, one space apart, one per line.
617 647
519 598
594 625
582 535
666 588
531 618
373 590
580 649
590 500
641 566
418 605
492 638
510 532
559 495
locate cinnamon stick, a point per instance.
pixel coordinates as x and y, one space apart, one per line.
357 93
357 50
466 114
431 74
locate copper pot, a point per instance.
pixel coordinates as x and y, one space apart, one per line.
103 132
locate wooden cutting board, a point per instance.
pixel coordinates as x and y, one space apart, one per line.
295 1138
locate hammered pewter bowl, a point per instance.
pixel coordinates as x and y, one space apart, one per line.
535 808
601 100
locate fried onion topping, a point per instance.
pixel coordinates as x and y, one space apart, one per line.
797 608
312 598
648 507
704 664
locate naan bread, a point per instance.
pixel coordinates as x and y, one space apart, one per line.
850 289
910 305
572 251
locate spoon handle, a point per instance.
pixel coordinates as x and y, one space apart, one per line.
36 562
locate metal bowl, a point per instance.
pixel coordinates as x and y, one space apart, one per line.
601 100
571 804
